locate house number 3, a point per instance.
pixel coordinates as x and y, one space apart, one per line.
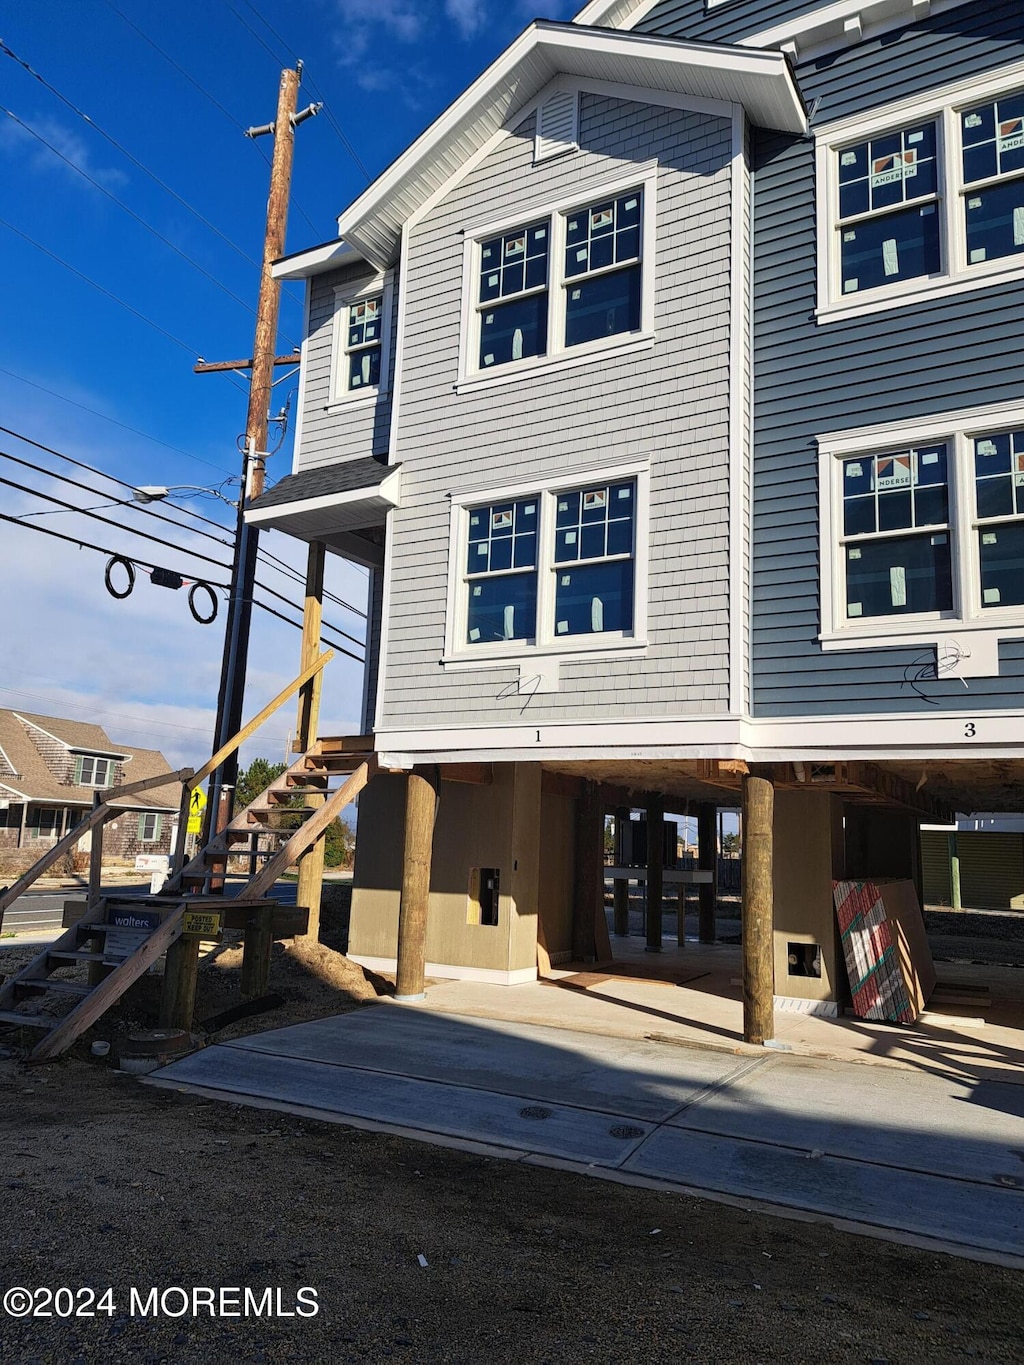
969 730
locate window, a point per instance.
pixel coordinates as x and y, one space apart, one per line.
896 557
930 200
560 283
149 827
501 572
923 534
554 568
44 823
362 321
94 772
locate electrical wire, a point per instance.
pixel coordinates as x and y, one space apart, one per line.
203 91
79 113
144 724
61 505
333 644
279 565
95 412
192 351
133 215
308 80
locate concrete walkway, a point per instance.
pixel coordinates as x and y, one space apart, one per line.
922 1154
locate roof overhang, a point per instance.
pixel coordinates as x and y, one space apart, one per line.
315 260
305 506
843 24
761 82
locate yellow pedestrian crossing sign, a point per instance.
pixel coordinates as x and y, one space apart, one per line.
196 806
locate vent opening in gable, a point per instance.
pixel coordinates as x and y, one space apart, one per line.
557 125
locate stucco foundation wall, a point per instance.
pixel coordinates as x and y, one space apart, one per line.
808 835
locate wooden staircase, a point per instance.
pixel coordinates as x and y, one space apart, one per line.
331 774
276 819
81 946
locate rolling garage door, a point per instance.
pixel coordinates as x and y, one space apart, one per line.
991 870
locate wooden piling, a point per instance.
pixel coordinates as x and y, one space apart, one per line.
707 861
309 891
758 899
655 870
620 893
588 881
257 945
420 809
178 997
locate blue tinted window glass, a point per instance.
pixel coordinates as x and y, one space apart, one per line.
603 234
602 306
503 608
995 497
592 542
931 506
995 222
502 534
895 511
899 576
514 261
364 368
512 331
859 516
993 138
567 509
992 454
892 247
593 598
1001 550
999 474
888 170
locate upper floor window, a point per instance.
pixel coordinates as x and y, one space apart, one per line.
923 538
551 567
561 283
927 199
94 772
362 321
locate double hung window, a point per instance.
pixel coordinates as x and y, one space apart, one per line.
363 343
149 827
361 324
552 567
930 200
94 772
924 538
570 278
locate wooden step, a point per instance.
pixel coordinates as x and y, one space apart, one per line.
76 955
43 1021
49 983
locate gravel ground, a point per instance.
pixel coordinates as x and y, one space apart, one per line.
108 1182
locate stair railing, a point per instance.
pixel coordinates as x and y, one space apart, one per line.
225 751
101 812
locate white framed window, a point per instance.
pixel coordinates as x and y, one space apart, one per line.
561 282
149 827
549 569
921 199
922 535
93 772
361 348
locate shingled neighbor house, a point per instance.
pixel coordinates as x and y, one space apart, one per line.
670 387
50 771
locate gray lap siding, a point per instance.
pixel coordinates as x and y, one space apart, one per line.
669 404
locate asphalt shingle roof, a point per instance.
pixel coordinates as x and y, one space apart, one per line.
348 477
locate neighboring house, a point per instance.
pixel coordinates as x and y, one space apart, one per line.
669 386
50 772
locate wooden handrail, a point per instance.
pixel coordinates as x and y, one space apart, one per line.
212 764
144 783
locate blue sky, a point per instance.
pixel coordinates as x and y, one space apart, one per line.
172 86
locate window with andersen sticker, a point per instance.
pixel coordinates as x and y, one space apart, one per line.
924 202
555 566
594 252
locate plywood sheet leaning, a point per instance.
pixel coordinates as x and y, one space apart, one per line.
906 923
871 954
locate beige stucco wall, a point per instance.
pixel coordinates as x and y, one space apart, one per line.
808 831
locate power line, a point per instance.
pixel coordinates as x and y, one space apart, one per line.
131 213
307 78
61 505
202 90
144 724
192 351
298 624
289 571
126 153
95 412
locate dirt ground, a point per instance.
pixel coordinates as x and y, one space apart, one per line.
109 1182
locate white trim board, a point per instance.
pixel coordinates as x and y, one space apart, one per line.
843 24
490 976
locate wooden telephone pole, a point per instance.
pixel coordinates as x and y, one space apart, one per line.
261 367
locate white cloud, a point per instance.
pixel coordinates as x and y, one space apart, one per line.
468 16
18 141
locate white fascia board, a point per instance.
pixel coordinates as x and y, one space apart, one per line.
760 81
385 493
818 31
316 261
624 14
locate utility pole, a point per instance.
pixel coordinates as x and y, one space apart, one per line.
261 367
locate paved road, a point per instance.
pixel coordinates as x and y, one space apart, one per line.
927 1153
39 911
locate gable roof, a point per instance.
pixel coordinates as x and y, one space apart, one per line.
32 780
760 81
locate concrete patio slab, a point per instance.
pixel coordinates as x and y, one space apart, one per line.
931 1155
